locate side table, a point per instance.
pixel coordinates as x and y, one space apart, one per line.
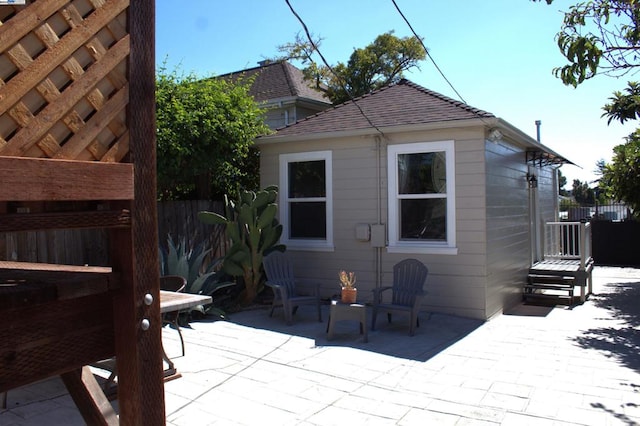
339 311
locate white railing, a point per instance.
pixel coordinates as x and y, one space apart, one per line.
568 240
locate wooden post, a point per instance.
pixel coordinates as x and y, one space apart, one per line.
139 350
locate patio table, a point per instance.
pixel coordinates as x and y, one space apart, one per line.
339 311
171 301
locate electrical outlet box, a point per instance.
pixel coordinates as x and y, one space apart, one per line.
363 232
378 235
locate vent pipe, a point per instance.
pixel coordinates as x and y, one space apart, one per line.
538 123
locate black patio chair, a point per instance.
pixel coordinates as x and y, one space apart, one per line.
407 292
280 278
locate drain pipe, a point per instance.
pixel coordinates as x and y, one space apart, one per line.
379 210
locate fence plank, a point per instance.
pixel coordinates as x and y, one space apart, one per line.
89 246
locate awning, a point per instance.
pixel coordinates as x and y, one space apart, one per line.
541 158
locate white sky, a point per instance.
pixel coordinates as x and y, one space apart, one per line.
498 54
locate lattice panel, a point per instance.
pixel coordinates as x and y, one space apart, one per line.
63 80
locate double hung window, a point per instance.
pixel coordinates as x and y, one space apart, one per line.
306 200
421 198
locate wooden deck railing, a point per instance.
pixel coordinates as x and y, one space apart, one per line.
568 240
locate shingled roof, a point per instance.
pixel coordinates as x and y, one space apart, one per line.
278 80
404 103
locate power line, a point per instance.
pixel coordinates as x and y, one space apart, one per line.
427 52
435 64
330 68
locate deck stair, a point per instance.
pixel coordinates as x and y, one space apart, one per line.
549 288
566 264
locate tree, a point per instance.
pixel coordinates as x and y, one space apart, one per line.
562 181
603 36
583 194
205 133
381 63
624 106
599 36
620 179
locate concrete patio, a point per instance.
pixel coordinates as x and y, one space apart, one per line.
531 366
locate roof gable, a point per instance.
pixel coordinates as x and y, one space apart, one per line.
277 80
404 103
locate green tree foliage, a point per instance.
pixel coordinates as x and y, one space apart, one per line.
621 178
562 181
205 133
583 194
599 36
253 231
603 37
624 105
380 63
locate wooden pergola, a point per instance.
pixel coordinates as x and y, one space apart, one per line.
77 150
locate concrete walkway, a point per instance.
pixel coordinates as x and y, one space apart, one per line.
532 366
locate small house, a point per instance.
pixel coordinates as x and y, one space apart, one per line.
281 90
405 172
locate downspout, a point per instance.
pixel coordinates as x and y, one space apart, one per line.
379 209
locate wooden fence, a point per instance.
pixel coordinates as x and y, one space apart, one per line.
90 246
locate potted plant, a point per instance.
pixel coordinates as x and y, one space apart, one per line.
349 291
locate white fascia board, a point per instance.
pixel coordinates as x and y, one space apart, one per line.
452 124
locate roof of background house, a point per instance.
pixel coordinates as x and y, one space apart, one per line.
277 80
404 103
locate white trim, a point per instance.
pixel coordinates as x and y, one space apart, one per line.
310 244
428 247
409 249
405 128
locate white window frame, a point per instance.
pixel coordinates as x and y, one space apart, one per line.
396 245
299 243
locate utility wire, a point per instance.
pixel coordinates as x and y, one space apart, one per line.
330 68
427 52
436 65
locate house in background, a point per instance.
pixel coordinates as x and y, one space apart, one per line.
281 90
406 172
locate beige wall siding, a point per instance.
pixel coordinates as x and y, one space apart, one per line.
456 283
274 117
492 220
280 116
354 201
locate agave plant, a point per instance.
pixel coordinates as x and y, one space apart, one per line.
203 276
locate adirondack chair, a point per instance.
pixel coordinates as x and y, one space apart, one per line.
409 277
173 283
279 270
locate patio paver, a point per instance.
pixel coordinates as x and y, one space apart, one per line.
534 365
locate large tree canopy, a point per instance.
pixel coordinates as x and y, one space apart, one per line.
599 36
621 178
205 133
380 63
603 37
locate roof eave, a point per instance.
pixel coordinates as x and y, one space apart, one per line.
449 124
527 142
293 100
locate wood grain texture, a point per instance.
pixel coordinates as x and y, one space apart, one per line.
34 179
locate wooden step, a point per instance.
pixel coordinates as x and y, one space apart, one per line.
538 287
559 287
551 279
